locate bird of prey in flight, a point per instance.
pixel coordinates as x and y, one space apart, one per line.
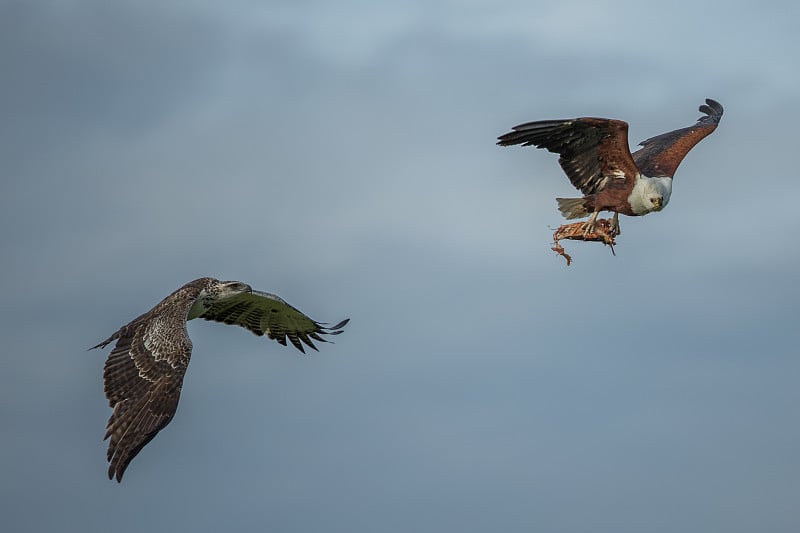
596 159
143 374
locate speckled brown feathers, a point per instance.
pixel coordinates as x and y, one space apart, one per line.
143 374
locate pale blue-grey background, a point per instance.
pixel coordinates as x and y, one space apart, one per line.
341 154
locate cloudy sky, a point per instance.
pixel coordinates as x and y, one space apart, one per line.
341 155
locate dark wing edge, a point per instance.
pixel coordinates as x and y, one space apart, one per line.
143 392
263 313
661 155
580 142
713 111
541 134
121 331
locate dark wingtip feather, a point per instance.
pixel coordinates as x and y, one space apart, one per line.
316 337
308 342
333 330
531 133
105 342
507 139
116 469
340 325
712 109
296 343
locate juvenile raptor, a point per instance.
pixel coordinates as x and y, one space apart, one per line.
143 375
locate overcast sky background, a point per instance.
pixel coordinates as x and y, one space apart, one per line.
341 155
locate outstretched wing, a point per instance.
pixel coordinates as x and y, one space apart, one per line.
267 314
661 155
593 150
143 377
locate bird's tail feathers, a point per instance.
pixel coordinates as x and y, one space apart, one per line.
572 207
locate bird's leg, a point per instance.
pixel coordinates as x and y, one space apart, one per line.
614 228
588 227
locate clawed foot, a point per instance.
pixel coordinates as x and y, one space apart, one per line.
588 227
613 229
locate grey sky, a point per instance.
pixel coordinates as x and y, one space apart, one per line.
343 157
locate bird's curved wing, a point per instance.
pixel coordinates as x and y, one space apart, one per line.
267 314
661 155
593 150
143 377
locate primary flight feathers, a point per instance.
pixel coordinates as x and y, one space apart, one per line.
143 375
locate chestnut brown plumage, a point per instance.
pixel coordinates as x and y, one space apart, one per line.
595 156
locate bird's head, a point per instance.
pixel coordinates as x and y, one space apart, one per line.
656 202
229 288
213 291
650 194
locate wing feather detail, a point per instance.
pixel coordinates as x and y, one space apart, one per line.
143 376
592 150
267 314
661 155
143 386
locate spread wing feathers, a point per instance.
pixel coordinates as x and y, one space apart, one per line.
661 155
592 150
143 377
267 314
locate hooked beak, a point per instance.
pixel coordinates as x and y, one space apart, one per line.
239 286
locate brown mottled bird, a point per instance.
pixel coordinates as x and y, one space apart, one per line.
143 375
596 158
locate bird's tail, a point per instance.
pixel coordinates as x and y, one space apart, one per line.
572 207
